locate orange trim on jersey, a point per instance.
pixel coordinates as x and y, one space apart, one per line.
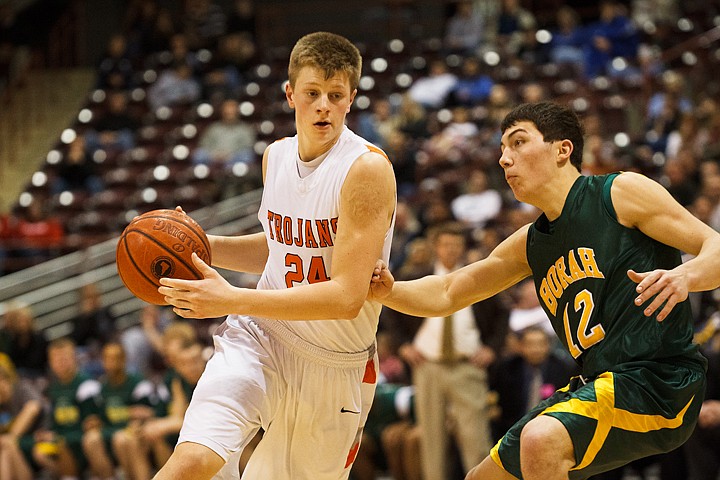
370 373
375 149
352 454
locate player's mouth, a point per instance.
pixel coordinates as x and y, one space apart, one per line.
322 124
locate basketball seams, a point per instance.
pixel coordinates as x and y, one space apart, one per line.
187 265
128 258
194 227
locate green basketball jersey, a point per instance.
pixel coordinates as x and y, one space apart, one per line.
580 262
118 399
73 402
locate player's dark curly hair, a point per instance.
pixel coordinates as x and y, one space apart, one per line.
555 122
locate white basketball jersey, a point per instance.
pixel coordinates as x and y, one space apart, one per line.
299 217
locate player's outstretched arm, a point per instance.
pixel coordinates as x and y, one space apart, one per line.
644 204
441 295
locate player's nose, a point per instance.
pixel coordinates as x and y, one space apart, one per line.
504 160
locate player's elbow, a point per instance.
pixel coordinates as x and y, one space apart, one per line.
349 307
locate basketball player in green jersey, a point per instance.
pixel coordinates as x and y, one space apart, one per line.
605 258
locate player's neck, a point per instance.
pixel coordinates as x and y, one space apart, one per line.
310 150
552 201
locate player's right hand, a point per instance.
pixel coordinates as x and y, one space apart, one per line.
381 283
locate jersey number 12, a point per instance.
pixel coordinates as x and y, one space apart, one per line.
585 337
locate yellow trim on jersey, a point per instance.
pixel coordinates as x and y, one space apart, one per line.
603 410
495 455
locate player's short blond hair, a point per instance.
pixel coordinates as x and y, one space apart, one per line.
326 51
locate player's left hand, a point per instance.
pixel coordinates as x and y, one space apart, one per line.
206 298
664 287
381 282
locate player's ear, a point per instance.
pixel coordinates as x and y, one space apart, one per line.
565 148
352 99
289 94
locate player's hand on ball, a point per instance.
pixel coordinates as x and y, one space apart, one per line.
381 282
206 298
664 287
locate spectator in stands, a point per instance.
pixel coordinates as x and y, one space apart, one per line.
449 368
672 91
184 356
226 74
478 203
516 30
411 118
204 22
116 128
686 138
94 324
659 127
38 235
128 400
407 228
401 445
527 377
378 124
148 27
464 30
679 182
28 347
473 86
432 89
500 103
227 141
74 407
242 18
566 45
613 35
7 236
401 148
115 68
175 86
21 413
77 172
451 143
532 92
418 259
136 342
392 368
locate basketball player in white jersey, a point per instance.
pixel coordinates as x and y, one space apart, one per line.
296 356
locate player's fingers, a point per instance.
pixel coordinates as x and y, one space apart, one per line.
183 312
176 283
636 277
644 280
656 303
652 284
669 305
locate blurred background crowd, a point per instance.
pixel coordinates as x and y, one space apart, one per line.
184 98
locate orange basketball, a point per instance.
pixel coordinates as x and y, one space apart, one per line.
159 244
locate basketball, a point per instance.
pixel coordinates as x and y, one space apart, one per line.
159 244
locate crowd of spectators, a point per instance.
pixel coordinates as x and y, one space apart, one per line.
642 111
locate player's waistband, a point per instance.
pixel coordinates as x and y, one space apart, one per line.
300 346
